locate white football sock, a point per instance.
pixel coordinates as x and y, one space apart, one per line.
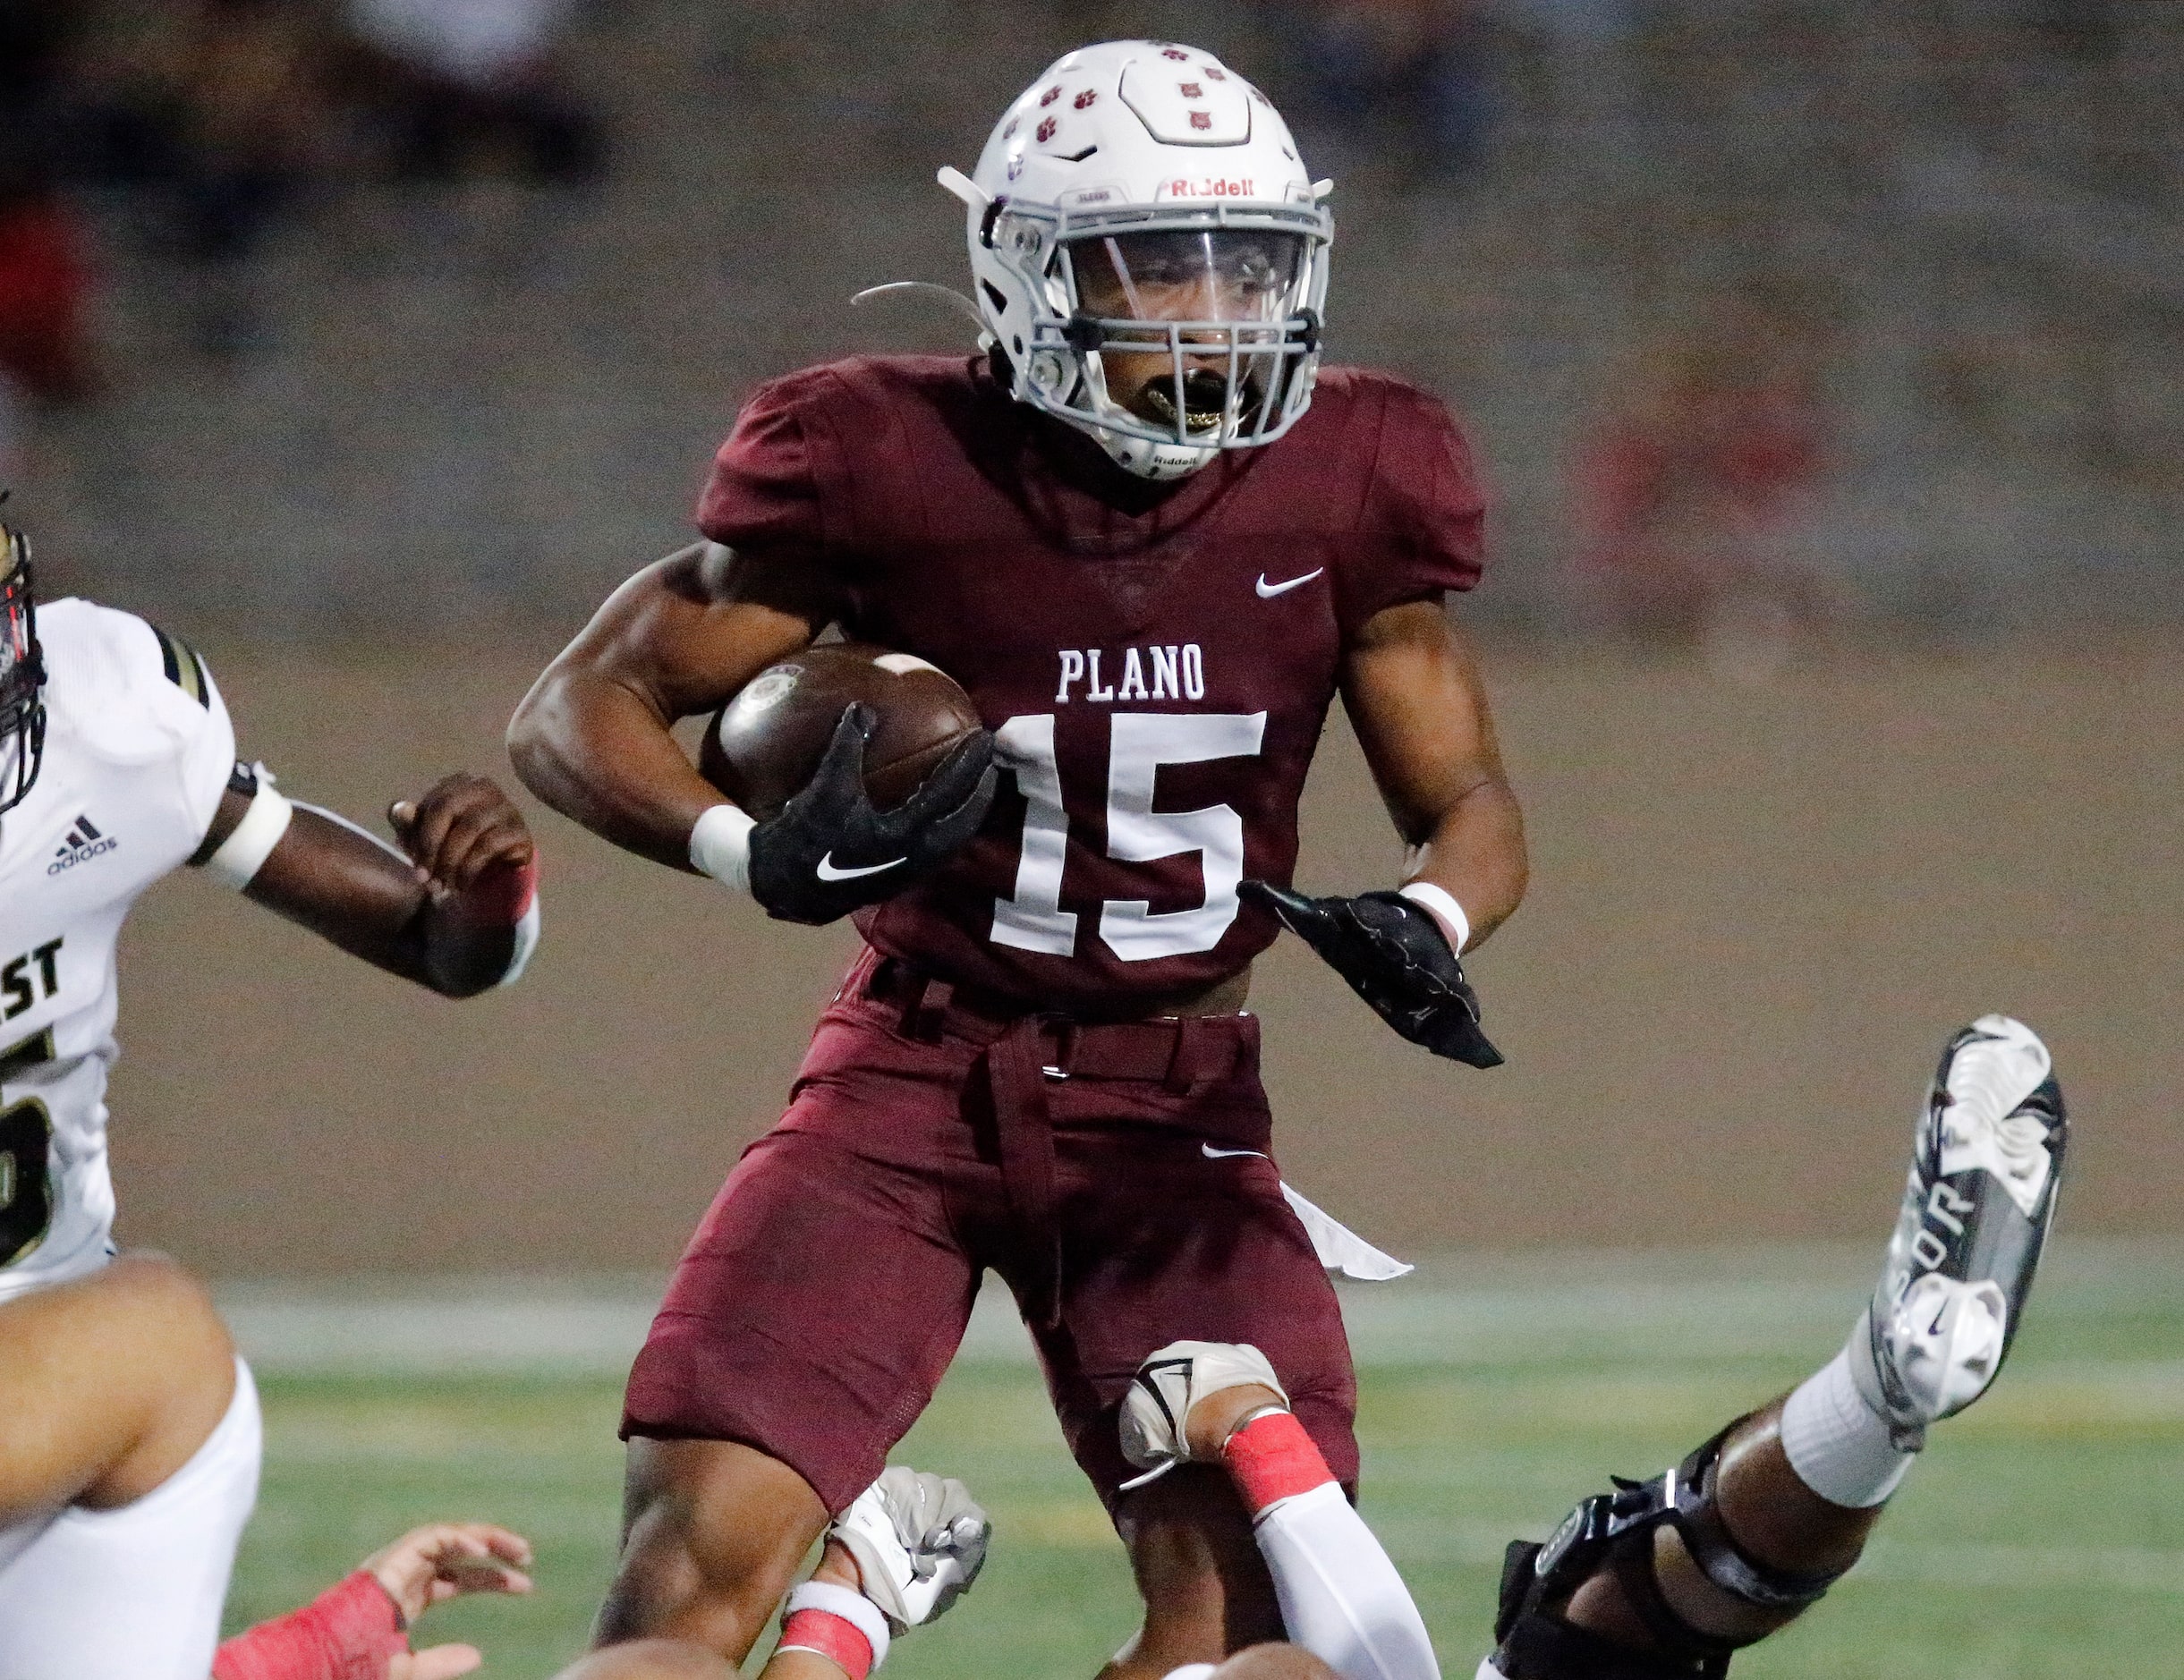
1341 1598
1838 1445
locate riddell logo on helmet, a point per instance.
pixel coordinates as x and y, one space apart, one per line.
1214 187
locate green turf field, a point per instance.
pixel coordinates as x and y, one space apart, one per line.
2042 1540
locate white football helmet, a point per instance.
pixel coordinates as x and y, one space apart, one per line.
1133 181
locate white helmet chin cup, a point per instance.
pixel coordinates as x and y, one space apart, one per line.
1135 137
1150 458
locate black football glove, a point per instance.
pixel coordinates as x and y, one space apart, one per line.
829 851
1396 957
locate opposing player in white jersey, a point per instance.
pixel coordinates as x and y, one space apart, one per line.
129 1431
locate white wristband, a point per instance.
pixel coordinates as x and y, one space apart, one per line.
245 850
720 846
526 942
1444 910
853 1607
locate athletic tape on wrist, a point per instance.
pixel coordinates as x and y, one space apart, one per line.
500 898
503 897
245 850
353 1628
828 1636
853 1616
526 942
1442 906
720 846
1270 1459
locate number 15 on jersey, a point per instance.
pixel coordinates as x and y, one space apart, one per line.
1034 919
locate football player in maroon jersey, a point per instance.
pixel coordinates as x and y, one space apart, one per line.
1154 539
1664 1578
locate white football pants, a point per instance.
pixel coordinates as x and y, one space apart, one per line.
133 1594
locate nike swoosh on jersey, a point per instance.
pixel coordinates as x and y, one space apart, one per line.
827 870
1213 1154
1267 591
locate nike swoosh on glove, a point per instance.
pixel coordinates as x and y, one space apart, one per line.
1396 957
829 851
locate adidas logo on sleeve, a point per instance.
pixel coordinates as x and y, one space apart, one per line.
84 842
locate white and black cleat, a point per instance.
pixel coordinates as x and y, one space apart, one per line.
1985 1170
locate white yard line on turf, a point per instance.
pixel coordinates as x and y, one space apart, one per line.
1456 1312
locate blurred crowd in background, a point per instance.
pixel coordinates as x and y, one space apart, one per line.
221 120
1773 321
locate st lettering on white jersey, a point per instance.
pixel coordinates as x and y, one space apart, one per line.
138 750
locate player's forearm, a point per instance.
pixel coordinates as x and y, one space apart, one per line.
602 756
1413 689
1476 854
593 737
434 946
360 894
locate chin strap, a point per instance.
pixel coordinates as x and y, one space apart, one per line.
1614 1532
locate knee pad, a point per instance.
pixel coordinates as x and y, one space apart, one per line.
1614 1532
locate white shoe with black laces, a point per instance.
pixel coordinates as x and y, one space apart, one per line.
1986 1169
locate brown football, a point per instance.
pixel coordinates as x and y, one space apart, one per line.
769 737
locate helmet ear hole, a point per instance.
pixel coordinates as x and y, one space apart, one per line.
994 297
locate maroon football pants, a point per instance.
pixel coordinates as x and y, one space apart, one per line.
1116 1176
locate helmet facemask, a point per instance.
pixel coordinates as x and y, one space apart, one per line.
1192 326
22 673
1174 341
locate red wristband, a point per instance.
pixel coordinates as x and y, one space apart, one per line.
839 1640
1272 1458
499 898
350 1632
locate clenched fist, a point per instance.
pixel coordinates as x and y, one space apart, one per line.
468 842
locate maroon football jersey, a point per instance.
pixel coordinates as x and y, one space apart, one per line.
1156 660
